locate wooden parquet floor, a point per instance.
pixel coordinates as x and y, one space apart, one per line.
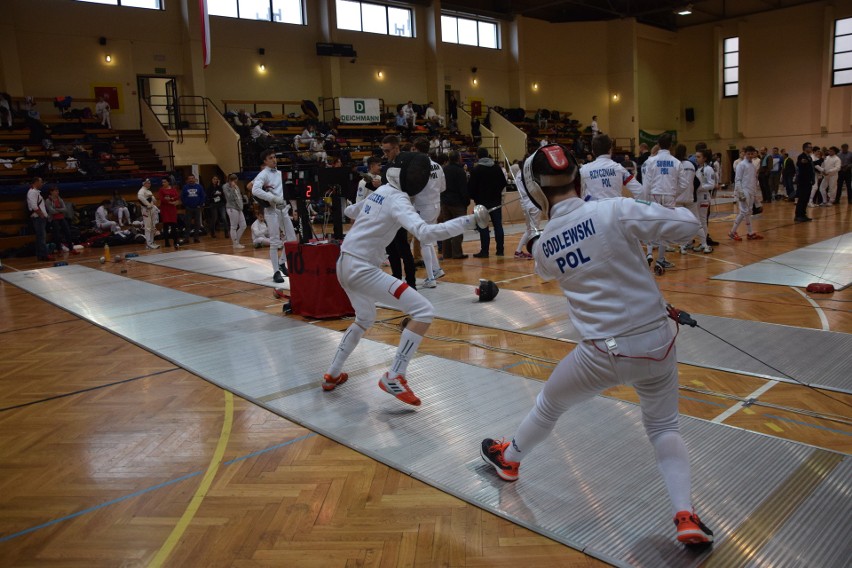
112 456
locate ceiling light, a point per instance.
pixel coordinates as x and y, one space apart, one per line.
687 10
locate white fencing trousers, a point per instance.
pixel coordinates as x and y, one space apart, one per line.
237 222
276 220
745 206
702 231
828 182
148 222
122 213
666 200
428 250
590 369
532 217
366 285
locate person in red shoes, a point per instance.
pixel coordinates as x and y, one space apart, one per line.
591 248
377 219
745 189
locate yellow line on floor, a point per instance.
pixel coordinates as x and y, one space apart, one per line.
203 488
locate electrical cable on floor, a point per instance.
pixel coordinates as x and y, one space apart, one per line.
752 402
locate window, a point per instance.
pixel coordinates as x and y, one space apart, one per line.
731 67
284 11
374 18
841 61
150 4
465 31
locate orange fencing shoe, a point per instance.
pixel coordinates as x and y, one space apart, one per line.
690 529
329 382
492 452
754 236
398 387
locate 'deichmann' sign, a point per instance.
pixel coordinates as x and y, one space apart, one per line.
359 111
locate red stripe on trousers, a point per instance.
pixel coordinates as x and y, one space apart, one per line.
398 292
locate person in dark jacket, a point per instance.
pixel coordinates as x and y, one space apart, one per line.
216 203
804 180
454 202
193 197
788 174
486 185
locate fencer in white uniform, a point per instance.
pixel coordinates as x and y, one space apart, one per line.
604 178
707 183
427 203
687 195
148 205
660 178
532 215
269 188
377 220
745 189
591 248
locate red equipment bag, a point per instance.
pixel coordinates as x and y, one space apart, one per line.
820 288
314 289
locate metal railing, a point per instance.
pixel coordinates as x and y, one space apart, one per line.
234 105
165 152
188 112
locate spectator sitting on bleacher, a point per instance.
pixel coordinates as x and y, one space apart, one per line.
402 122
56 213
243 119
260 136
318 150
435 145
30 108
432 115
102 109
408 112
306 137
102 222
119 208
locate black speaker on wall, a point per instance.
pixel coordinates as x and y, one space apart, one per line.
690 114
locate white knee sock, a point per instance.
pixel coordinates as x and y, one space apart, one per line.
347 345
408 344
673 462
532 431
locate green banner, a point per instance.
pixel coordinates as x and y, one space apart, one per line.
651 139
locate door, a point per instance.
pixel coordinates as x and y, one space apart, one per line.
161 95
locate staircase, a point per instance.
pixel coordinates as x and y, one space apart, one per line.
136 146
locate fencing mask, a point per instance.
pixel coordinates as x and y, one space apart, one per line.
409 172
487 290
549 166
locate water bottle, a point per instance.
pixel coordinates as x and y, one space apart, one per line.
107 255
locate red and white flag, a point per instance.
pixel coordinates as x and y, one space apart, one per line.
205 32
